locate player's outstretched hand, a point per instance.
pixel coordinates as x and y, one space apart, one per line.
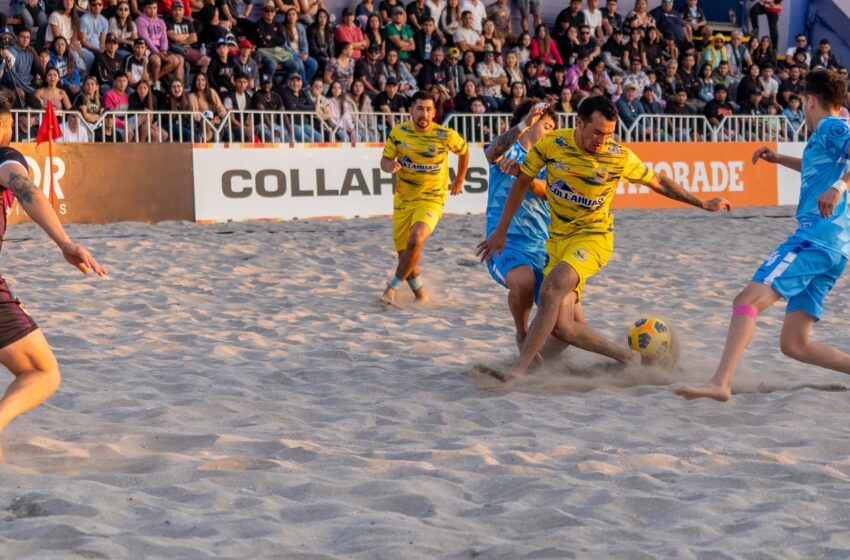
827 202
718 204
510 167
79 256
493 245
534 115
457 187
766 154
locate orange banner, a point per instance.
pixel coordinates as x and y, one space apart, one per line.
707 170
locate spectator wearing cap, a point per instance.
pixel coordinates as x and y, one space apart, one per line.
390 101
26 66
669 50
221 69
399 35
824 57
320 40
136 65
269 126
628 105
613 51
543 46
165 7
183 37
635 75
370 71
649 102
427 40
755 104
296 41
297 100
492 77
349 32
93 28
152 30
417 11
123 28
108 64
245 64
271 46
500 13
386 7
679 129
466 38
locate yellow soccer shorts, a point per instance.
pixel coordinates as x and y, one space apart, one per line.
587 253
407 214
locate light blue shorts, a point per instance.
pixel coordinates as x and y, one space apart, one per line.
802 273
500 265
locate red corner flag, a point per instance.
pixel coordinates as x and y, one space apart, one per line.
48 131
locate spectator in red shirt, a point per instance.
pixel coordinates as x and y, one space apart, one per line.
348 32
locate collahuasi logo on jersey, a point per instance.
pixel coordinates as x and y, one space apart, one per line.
562 190
408 163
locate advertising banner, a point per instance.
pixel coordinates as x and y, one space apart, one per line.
104 183
282 182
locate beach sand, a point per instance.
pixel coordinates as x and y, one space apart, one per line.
235 391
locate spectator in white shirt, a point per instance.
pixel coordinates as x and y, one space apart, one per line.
479 13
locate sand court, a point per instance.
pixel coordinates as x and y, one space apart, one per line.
235 391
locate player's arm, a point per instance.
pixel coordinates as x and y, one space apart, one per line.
512 167
770 156
666 186
504 141
389 165
494 244
37 207
462 166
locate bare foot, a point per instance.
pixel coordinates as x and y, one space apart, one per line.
710 391
421 296
387 299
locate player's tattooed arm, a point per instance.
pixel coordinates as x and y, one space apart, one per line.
503 143
666 186
23 188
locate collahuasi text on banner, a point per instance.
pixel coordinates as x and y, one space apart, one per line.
281 182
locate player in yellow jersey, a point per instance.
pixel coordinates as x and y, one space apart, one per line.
417 151
583 167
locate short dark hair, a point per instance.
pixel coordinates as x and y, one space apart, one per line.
827 86
525 107
597 104
422 95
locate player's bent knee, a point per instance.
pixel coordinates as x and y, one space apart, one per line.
52 380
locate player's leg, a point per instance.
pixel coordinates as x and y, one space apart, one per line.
795 343
36 375
578 333
746 306
561 281
408 263
520 283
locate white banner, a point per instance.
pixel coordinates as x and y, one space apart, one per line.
280 182
788 179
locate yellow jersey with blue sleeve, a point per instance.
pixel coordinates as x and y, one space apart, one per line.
424 159
581 185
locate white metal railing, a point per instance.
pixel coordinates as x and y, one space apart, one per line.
249 127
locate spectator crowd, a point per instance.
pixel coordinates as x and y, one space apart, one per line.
317 77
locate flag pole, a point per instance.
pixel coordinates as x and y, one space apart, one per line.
50 158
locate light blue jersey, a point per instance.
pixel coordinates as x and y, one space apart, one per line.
825 160
529 229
